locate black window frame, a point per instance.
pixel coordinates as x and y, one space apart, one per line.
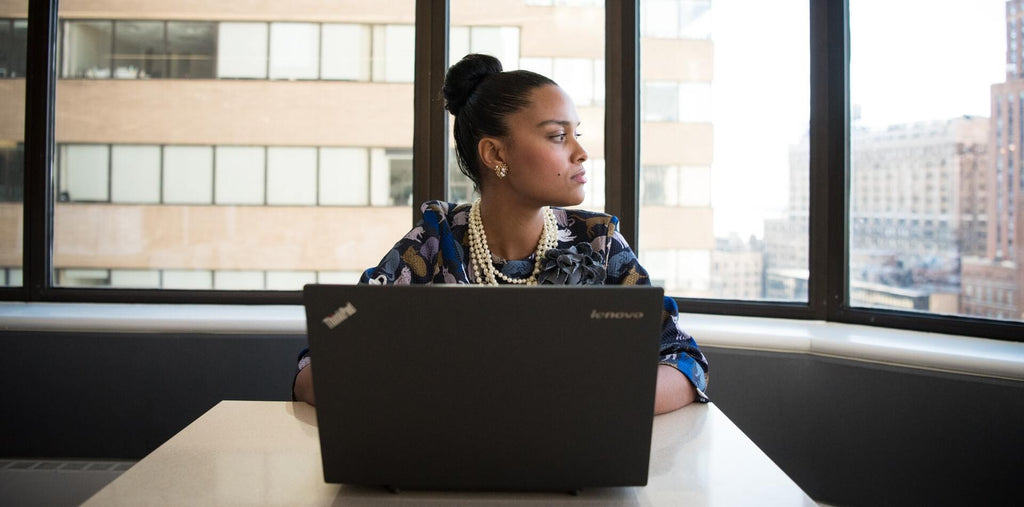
829 171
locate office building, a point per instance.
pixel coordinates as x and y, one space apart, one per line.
993 281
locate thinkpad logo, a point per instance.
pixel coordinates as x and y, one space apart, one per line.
595 314
339 316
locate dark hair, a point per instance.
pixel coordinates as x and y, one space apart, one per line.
481 97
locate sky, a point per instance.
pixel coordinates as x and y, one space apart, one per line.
910 60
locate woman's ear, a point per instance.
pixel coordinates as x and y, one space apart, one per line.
491 151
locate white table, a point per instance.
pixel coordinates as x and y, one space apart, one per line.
268 453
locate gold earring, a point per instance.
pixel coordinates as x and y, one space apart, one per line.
501 170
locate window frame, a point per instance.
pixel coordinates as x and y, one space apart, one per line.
829 171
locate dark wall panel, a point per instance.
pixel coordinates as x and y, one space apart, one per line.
122 395
849 433
853 433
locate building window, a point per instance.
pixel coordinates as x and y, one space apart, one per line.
676 19
191 50
242 50
135 174
87 49
240 175
291 176
12 172
294 51
188 175
344 177
394 53
13 47
345 52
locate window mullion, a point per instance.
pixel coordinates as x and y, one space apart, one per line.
430 122
827 221
621 125
40 92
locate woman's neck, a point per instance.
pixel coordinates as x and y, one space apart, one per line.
512 230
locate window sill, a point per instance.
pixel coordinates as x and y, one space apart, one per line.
929 351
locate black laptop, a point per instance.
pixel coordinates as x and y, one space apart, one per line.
484 388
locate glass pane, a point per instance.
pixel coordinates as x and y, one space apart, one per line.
936 183
291 176
561 40
191 50
84 172
135 174
13 36
344 177
86 49
242 50
139 50
724 183
241 175
260 134
345 52
294 50
188 175
394 53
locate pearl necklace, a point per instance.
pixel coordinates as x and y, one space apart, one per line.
480 254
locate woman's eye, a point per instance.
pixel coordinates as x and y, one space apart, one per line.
559 137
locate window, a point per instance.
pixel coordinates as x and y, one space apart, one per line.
719 179
87 49
13 46
13 51
291 176
191 50
85 173
188 175
213 149
129 49
240 175
138 50
242 50
294 51
394 53
926 143
344 177
345 52
135 174
161 184
676 19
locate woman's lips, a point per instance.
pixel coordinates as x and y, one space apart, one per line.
580 177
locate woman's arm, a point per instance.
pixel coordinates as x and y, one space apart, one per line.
674 390
302 390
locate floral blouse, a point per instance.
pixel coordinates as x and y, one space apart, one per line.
437 251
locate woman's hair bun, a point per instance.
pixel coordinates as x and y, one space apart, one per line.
463 77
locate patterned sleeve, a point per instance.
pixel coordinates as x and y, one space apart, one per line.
678 348
427 254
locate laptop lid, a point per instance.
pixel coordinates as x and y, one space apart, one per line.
483 388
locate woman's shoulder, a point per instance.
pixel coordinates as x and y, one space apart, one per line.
443 210
590 223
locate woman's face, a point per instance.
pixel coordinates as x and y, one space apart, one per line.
543 152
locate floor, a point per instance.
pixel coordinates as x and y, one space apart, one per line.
50 482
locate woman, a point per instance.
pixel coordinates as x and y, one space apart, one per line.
516 135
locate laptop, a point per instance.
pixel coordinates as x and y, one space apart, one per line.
441 387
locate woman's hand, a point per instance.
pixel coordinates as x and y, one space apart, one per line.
303 390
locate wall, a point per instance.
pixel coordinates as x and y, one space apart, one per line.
852 433
849 433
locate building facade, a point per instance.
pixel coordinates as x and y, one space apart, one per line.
993 281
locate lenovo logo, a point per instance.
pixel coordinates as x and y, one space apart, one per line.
594 314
